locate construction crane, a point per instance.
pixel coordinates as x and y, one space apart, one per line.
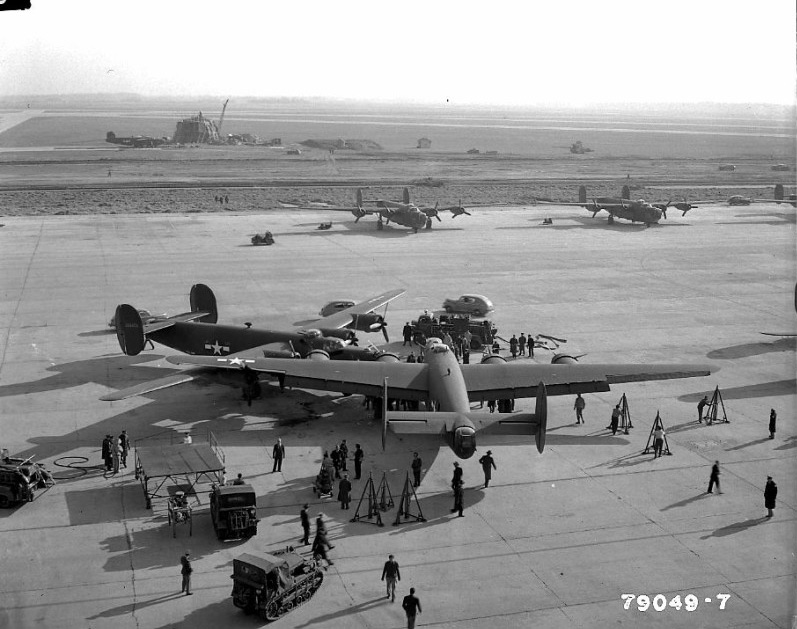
221 119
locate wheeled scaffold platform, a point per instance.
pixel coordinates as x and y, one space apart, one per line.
181 464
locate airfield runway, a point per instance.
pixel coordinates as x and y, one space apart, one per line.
556 539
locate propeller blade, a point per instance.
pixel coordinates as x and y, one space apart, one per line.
437 216
384 332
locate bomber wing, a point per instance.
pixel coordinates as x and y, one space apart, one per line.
405 380
154 385
511 380
348 316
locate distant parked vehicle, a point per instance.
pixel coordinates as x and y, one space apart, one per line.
477 305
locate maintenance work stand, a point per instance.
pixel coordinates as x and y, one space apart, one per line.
183 465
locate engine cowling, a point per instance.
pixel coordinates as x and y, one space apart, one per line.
564 359
344 334
493 359
387 357
318 354
368 322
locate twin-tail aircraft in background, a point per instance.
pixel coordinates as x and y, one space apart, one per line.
197 333
403 212
639 211
447 388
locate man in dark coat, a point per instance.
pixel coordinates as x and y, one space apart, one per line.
513 346
521 344
406 331
457 478
488 465
530 343
305 525
770 494
335 456
715 478
773 418
278 453
459 498
344 492
321 543
344 455
412 607
106 452
416 465
186 571
358 461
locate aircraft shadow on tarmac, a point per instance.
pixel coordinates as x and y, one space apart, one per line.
113 371
747 350
587 222
779 218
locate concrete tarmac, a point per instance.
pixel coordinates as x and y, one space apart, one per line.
555 541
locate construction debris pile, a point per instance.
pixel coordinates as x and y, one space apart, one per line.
196 130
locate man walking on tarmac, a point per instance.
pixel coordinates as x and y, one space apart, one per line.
186 571
412 607
391 572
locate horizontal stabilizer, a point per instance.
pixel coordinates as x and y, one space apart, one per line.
420 422
153 385
504 423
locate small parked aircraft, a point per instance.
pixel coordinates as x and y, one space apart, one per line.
447 388
197 333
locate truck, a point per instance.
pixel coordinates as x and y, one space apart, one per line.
483 332
272 584
233 510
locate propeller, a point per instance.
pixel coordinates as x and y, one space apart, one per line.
458 210
595 208
684 206
434 212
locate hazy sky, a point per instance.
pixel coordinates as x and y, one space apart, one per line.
510 52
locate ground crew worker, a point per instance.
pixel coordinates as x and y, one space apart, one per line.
344 456
344 492
457 478
488 465
513 346
412 607
406 331
530 342
278 453
521 343
773 418
579 406
391 574
770 495
658 440
700 406
335 456
358 461
615 419
186 571
305 517
459 499
124 442
714 479
416 469
239 480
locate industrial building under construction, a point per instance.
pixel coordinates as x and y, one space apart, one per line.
196 130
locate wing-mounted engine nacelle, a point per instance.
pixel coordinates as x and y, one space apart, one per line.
343 333
368 323
564 359
463 441
317 354
493 359
387 357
